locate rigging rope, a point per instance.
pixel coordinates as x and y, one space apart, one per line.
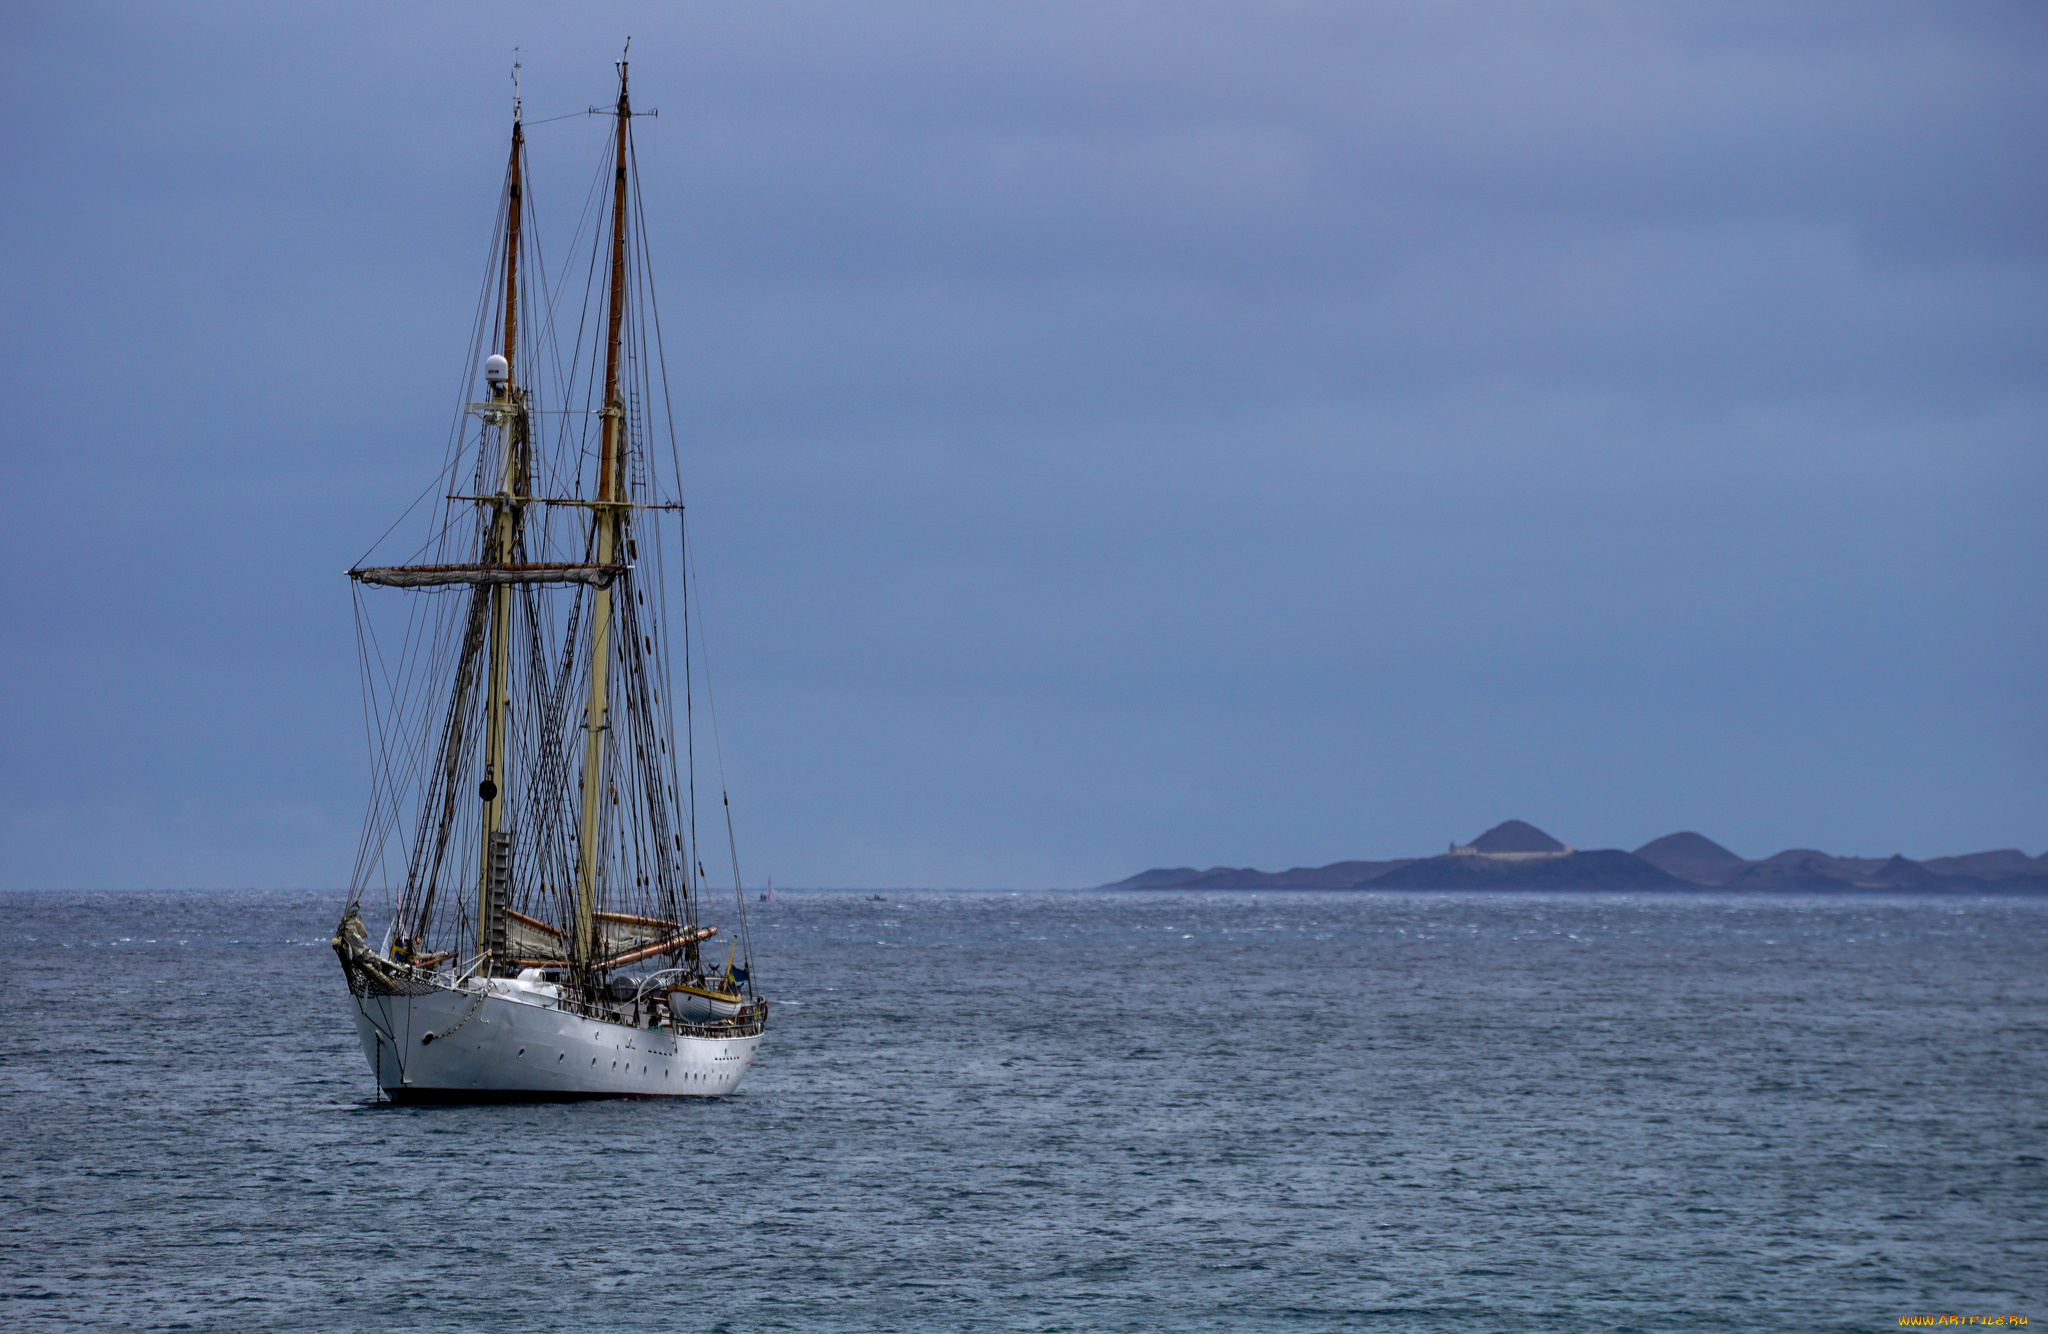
647 857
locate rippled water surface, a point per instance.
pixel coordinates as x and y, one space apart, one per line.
1070 1111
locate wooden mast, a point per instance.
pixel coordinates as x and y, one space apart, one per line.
514 195
610 485
494 889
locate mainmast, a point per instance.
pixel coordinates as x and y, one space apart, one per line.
608 507
508 410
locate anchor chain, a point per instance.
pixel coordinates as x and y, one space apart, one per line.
474 1006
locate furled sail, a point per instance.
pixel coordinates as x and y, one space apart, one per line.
527 938
669 946
622 938
428 576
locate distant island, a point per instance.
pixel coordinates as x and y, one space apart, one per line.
1517 855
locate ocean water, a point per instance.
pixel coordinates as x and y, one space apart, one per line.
1070 1111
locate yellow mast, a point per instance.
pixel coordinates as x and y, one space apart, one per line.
495 874
610 486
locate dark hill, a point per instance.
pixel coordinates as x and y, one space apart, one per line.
1987 865
1159 877
1801 869
1337 875
1675 861
1691 856
1516 836
1899 873
1806 871
1606 869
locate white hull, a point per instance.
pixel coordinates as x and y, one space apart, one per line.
481 1044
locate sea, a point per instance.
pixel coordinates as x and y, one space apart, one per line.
1069 1110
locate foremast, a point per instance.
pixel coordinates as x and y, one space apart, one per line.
607 510
508 409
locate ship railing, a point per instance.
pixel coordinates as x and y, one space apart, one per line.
387 974
749 1022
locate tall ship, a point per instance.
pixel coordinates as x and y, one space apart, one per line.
538 920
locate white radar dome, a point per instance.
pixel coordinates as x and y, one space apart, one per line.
496 369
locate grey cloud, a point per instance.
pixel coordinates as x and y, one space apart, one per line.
1119 432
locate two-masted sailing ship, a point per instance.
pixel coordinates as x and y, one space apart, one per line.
533 822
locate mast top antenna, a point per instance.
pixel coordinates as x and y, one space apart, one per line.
515 83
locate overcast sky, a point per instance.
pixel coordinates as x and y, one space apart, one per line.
1116 434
